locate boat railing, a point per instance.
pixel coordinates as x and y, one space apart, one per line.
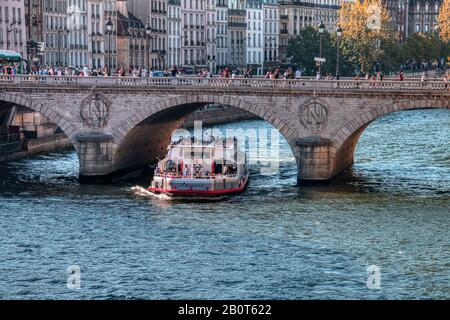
212 177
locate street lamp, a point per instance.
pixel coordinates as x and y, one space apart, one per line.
8 31
109 28
338 37
436 38
377 62
321 31
148 32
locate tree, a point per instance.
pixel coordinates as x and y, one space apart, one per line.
444 21
303 48
368 31
425 48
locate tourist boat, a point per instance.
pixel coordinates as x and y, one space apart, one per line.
197 169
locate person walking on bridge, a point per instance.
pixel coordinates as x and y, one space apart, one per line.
446 78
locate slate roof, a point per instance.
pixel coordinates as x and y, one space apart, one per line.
129 27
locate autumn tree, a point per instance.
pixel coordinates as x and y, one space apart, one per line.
369 35
444 21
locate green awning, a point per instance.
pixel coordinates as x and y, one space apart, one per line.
10 55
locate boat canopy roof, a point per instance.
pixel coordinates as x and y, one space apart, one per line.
213 142
9 55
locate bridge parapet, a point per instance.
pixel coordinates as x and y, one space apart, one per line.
297 84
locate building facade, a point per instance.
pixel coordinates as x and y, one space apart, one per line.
13 27
222 37
255 36
110 38
56 33
193 34
398 12
34 19
193 54
210 35
133 44
271 33
422 17
237 30
158 22
174 32
96 34
413 16
77 31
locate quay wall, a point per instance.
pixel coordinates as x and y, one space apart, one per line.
58 141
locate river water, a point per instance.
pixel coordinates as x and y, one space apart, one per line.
277 240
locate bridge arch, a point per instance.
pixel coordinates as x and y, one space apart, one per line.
346 138
52 115
163 117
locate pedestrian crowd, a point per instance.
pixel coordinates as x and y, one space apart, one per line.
174 71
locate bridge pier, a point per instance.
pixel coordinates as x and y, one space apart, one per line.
314 157
318 159
95 152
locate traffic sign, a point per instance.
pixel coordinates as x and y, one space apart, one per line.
41 46
320 59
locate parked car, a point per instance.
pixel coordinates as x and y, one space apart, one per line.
158 73
74 70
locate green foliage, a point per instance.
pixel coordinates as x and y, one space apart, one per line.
425 48
306 45
390 54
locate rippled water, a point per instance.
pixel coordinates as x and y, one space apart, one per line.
276 240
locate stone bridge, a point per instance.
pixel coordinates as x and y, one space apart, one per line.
119 124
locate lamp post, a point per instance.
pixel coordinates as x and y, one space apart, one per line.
338 37
8 31
377 63
109 29
148 32
436 38
321 31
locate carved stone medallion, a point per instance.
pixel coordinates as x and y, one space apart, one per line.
313 114
95 110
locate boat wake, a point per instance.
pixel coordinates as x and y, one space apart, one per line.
142 192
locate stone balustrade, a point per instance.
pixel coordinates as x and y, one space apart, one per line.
228 82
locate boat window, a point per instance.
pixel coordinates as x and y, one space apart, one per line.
218 167
197 154
206 154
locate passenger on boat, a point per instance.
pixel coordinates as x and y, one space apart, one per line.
186 172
